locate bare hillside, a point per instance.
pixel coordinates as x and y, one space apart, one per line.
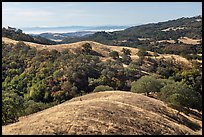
187 40
110 112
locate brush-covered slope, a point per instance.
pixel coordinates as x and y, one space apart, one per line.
110 112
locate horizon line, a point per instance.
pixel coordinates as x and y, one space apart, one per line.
127 25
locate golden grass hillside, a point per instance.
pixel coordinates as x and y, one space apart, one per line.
100 48
107 113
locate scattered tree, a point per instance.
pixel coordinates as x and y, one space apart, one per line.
87 48
146 84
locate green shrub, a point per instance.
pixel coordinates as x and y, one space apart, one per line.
33 107
12 106
114 54
102 88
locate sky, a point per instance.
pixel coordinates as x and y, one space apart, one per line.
53 14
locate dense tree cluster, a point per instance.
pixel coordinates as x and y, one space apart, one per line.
180 96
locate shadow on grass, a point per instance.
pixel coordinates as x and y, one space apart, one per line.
180 119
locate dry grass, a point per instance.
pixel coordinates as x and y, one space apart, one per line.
110 112
168 41
187 40
173 28
183 61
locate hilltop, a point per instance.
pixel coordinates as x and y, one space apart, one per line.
107 113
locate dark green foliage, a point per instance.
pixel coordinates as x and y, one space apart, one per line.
179 95
86 48
114 54
33 107
102 88
192 78
126 59
37 91
126 51
113 74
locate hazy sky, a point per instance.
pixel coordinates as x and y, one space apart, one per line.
30 14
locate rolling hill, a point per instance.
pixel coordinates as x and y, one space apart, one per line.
99 48
107 113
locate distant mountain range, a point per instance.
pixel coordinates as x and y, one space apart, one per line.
68 29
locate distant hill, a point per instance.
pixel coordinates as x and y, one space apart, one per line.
59 33
107 113
14 34
149 35
60 36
